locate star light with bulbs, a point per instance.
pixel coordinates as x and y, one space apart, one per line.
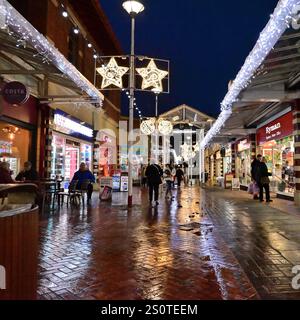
112 74
152 76
279 21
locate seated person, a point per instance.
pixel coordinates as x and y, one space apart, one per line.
5 173
84 174
28 174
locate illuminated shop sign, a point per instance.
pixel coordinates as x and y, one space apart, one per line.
65 124
243 145
277 129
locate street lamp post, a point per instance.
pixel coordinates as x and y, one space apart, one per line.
156 156
133 8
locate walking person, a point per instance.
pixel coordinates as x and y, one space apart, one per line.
264 181
168 178
154 174
144 178
179 176
173 173
254 170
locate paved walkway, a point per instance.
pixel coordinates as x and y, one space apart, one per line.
230 248
109 252
264 238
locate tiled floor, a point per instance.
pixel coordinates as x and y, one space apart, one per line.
106 251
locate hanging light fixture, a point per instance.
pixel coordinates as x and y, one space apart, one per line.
164 126
148 126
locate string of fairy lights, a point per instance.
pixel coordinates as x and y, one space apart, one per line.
136 108
279 21
65 14
17 26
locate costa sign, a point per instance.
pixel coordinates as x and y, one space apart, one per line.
15 93
276 129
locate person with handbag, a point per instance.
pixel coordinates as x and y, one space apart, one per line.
262 177
154 174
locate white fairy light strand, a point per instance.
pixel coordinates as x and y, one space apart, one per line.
279 22
28 33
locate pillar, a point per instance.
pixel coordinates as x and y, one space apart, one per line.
296 123
47 117
233 156
215 168
252 140
96 156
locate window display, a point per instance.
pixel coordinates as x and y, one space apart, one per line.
67 154
13 149
276 143
280 158
243 162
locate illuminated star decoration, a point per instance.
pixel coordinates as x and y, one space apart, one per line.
112 74
152 76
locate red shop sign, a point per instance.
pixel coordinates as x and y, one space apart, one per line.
277 129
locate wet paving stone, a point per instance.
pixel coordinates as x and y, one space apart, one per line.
107 251
264 239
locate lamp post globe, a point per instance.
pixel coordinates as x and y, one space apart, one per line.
133 7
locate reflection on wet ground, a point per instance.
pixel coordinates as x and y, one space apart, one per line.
203 245
264 239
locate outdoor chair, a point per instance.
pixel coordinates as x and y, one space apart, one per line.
84 189
72 194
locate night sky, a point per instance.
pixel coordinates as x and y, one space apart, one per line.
207 42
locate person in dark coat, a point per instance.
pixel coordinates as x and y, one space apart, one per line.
84 174
254 167
154 174
262 175
28 174
179 176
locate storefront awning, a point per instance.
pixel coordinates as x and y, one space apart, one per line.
26 53
268 80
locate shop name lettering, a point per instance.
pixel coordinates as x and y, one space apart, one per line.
273 128
15 91
2 278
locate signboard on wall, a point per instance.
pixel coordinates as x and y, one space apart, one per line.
15 93
70 125
276 129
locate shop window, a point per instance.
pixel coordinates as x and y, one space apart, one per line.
14 146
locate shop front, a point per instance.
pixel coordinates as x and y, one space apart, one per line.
243 162
18 127
275 142
106 153
72 143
